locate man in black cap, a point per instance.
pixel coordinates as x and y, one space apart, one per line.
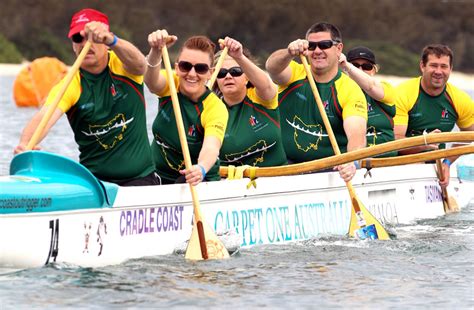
361 66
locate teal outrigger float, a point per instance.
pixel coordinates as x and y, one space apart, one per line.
52 209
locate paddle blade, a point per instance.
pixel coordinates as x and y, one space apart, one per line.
215 248
451 205
370 227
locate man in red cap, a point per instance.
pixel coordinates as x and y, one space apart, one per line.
105 105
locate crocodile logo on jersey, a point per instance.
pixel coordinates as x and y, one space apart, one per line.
372 135
170 154
306 137
257 150
109 134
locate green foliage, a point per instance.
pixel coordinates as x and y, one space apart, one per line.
8 51
392 59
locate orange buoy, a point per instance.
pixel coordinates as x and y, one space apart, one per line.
33 83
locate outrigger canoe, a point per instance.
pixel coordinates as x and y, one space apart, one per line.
52 209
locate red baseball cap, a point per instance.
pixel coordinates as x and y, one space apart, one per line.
81 18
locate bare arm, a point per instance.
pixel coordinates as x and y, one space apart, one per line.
355 128
368 83
265 89
207 158
277 66
153 79
30 128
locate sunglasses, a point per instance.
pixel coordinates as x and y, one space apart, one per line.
77 38
234 71
323 45
186 66
365 66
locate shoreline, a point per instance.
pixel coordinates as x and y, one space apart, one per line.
462 80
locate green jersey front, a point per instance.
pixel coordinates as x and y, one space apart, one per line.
106 111
253 135
207 116
304 135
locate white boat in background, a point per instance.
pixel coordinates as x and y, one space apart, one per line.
53 210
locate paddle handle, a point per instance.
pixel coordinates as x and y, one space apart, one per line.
184 147
218 66
67 80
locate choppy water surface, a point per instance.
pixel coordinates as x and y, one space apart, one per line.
429 265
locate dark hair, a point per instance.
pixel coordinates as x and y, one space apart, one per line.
438 50
200 43
325 27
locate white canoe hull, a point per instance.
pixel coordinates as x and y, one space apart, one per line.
155 220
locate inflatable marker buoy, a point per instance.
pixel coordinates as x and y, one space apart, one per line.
33 83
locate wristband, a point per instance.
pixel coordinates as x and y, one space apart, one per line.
113 42
447 162
357 164
203 171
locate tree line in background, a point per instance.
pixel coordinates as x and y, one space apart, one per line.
396 30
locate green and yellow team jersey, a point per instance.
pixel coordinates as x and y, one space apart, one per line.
106 112
253 135
304 135
206 117
380 118
421 112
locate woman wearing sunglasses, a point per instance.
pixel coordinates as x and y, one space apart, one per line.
253 135
204 114
361 66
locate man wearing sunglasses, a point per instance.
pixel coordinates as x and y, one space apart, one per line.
304 134
105 105
361 66
430 104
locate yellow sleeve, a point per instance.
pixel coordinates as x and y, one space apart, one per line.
70 97
269 104
297 73
463 104
214 117
116 66
351 98
167 91
405 97
389 93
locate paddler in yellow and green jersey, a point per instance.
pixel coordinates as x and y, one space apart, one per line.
253 135
304 134
204 114
105 105
361 66
430 104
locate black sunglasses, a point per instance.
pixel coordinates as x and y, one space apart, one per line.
365 66
234 71
186 66
323 45
77 38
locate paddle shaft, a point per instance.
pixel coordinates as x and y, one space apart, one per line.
327 124
218 66
67 80
185 149
332 161
444 190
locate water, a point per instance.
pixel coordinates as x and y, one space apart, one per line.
429 265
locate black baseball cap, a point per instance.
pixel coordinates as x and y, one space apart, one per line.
361 52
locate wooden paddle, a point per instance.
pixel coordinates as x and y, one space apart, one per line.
203 243
218 66
328 162
449 203
361 218
67 80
